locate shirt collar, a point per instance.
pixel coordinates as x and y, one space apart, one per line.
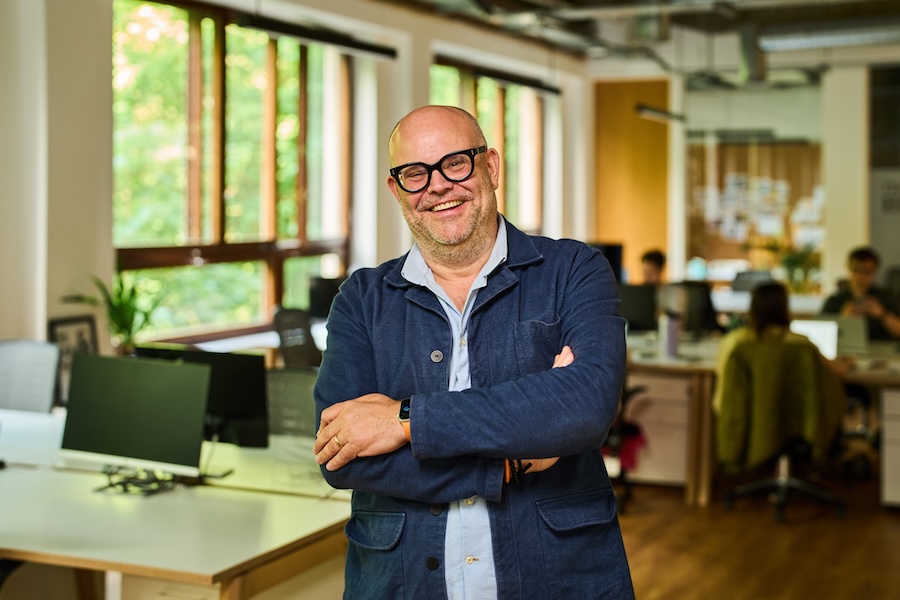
416 270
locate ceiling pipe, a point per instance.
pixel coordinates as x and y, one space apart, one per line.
827 36
685 6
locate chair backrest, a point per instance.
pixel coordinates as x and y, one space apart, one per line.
773 393
892 282
292 409
28 370
297 345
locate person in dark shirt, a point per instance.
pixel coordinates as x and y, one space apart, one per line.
861 297
652 264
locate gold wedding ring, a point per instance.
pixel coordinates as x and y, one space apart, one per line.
338 442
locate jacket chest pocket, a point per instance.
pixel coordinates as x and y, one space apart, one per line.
536 345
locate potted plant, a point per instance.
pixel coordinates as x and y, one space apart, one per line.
127 312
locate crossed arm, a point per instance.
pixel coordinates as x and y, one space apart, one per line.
368 426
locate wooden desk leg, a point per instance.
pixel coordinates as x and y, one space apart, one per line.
233 589
698 479
705 458
85 587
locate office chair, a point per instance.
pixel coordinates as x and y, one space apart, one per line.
297 346
289 393
27 380
28 370
780 402
623 441
892 282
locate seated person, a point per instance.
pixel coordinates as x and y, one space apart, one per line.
652 264
861 297
769 318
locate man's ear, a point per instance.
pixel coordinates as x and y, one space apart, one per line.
393 187
493 164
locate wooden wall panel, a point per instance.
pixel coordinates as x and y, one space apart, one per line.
631 169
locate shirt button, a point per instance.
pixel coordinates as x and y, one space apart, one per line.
436 509
462 342
469 502
437 356
470 560
432 563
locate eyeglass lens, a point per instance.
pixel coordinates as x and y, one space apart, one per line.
454 167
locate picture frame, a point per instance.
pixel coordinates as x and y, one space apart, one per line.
72 335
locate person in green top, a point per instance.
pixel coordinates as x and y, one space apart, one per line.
769 318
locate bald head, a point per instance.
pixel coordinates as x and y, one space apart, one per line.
435 121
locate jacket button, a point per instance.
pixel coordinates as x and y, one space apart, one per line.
436 509
432 563
437 356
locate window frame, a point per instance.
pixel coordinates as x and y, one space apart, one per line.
269 250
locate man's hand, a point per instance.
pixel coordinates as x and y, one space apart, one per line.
364 426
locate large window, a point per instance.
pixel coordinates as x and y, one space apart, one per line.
511 116
228 192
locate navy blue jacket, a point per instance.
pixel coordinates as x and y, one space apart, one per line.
555 533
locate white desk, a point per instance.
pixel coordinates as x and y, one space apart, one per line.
677 410
287 466
240 542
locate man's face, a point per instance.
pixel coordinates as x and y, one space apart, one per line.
862 275
651 272
445 214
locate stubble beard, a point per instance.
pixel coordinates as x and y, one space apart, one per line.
464 247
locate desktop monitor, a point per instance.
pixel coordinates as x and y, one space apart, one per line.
613 253
638 306
745 281
130 413
236 410
822 333
321 294
692 302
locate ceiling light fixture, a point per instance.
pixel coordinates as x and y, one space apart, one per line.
657 114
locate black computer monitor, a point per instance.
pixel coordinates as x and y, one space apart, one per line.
691 301
146 414
745 281
613 253
321 294
236 410
638 306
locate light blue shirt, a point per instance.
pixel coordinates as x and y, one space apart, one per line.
468 554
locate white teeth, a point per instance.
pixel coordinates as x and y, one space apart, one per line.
446 205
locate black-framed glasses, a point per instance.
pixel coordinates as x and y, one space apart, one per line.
456 167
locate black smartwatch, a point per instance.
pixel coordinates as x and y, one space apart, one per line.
404 411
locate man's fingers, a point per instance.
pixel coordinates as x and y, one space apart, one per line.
564 358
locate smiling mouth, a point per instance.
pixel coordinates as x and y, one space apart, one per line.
445 206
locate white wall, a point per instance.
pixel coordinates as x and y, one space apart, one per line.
23 166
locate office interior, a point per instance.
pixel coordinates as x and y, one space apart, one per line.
608 174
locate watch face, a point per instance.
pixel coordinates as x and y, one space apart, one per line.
404 409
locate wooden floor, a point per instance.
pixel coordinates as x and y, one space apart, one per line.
676 552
